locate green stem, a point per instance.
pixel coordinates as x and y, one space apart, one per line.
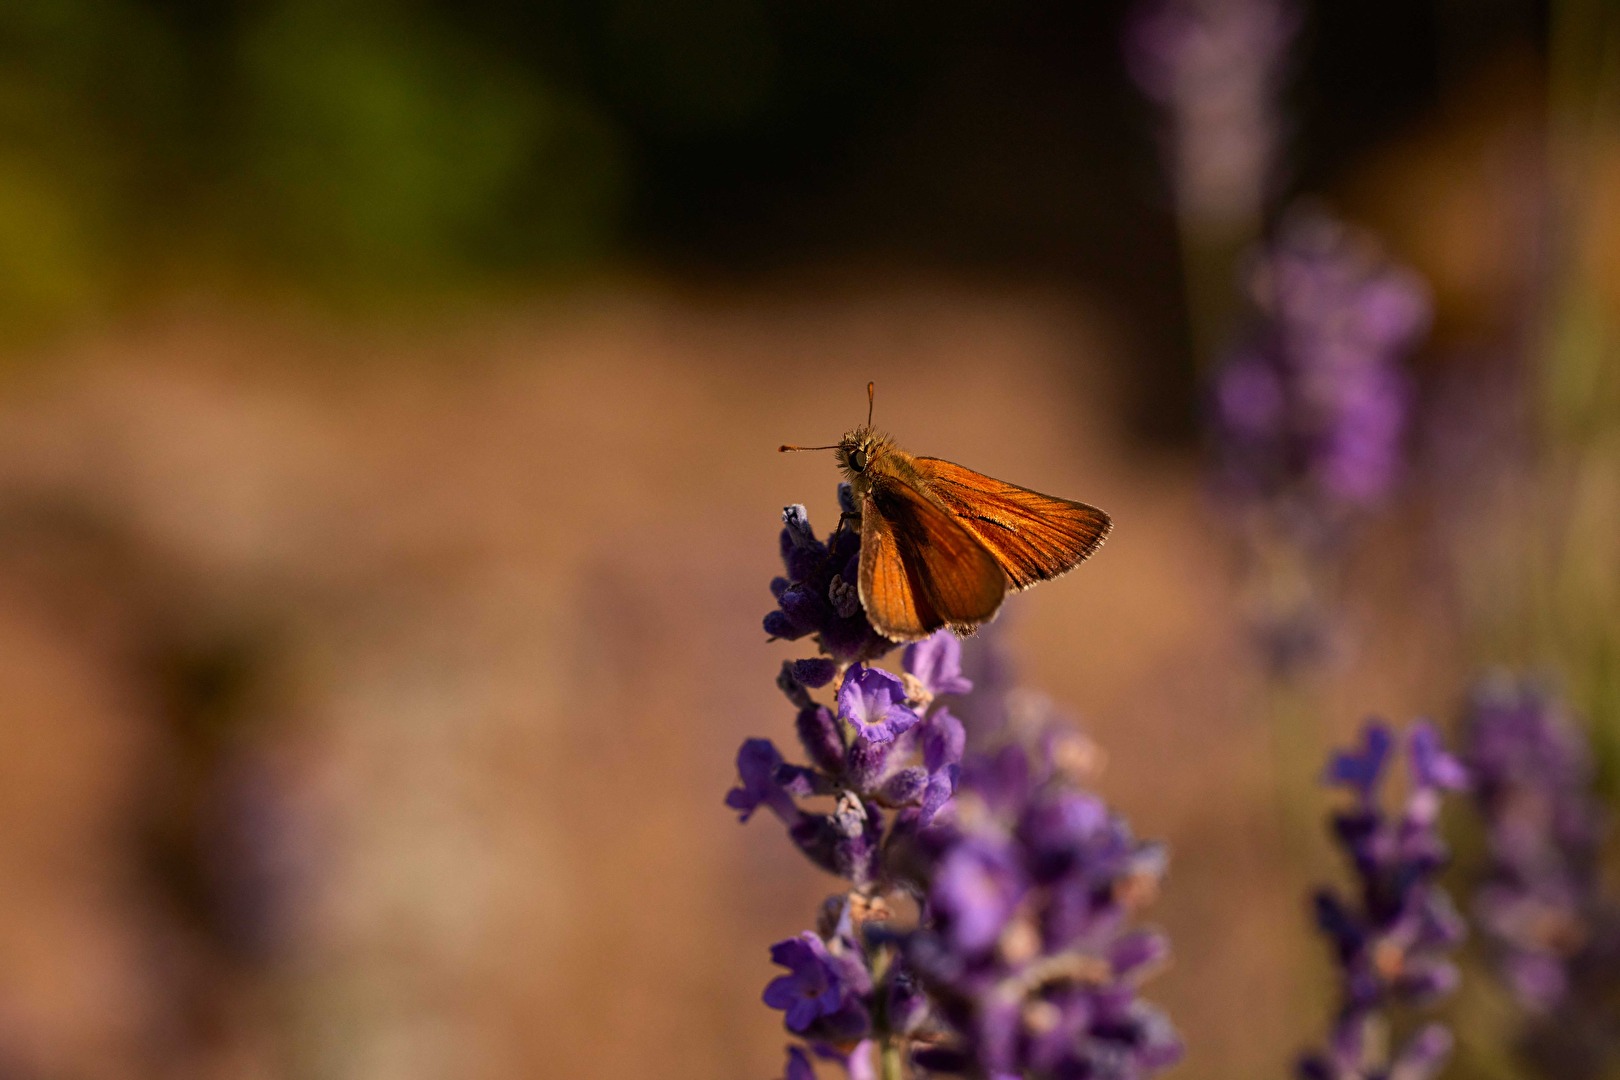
1576 594
892 1063
1296 751
1294 734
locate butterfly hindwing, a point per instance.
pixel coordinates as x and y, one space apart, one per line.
1032 536
920 568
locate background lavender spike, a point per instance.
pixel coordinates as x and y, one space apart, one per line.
1310 410
1308 416
1551 936
1216 67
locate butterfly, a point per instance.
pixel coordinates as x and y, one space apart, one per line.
941 545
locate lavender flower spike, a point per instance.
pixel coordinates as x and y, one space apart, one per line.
1393 935
1022 960
1307 417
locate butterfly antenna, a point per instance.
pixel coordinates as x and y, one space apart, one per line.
871 396
786 449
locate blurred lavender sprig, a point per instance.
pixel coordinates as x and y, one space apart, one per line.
1394 933
1551 935
1309 411
1022 959
1216 68
1308 416
1538 896
1309 403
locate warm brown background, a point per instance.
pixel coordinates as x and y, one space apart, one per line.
493 590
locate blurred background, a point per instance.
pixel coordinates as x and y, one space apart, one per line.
388 485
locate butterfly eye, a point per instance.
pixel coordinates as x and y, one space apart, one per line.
857 460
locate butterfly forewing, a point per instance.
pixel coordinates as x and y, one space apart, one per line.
920 568
894 601
1032 536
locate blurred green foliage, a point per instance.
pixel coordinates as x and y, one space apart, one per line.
372 147
386 143
368 145
350 142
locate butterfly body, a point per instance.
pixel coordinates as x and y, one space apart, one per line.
942 545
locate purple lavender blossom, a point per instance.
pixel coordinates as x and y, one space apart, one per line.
824 991
846 842
798 1065
758 763
856 1061
936 663
1423 1056
873 702
976 889
1310 412
1394 936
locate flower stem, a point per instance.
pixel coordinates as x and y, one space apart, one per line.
892 1065
1293 713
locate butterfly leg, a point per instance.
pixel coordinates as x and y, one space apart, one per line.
843 519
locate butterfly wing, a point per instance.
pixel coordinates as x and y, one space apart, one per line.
920 569
1033 536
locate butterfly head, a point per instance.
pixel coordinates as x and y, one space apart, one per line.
859 450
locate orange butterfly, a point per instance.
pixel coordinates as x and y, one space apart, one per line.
941 545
